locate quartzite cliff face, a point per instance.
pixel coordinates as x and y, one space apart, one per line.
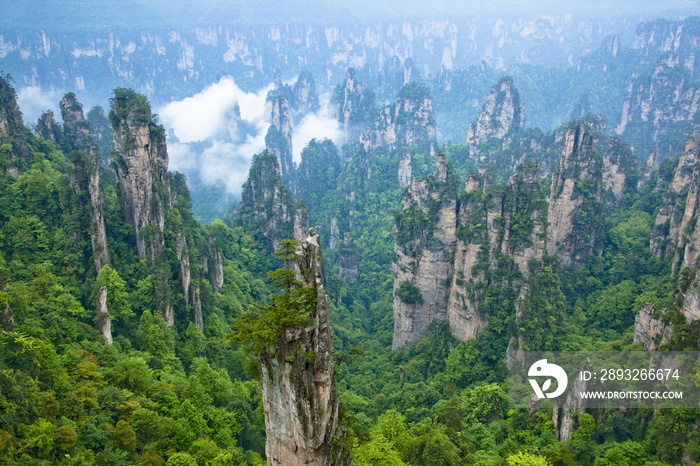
268 209
408 126
140 159
12 130
424 258
298 386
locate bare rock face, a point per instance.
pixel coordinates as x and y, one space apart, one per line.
215 265
12 129
647 170
98 233
298 386
496 226
675 235
661 104
577 190
408 124
689 297
47 128
353 106
279 135
501 119
104 324
615 181
424 258
268 208
140 159
650 331
566 407
305 96
75 128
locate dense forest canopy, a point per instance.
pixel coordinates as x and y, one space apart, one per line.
459 216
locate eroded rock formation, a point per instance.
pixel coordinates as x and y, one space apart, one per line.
279 135
268 208
104 323
298 387
407 125
424 257
47 128
675 235
649 330
12 129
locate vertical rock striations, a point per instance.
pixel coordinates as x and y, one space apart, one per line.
424 253
305 96
12 132
407 125
353 106
268 209
650 330
76 130
104 323
98 233
298 387
500 231
47 128
499 123
575 204
278 139
675 235
140 160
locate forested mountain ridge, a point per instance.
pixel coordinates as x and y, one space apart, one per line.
458 256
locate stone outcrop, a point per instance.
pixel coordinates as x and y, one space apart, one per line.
268 209
104 323
675 235
76 130
408 125
12 130
649 330
140 160
279 135
660 105
495 224
576 193
305 95
423 259
566 407
299 396
500 121
395 74
98 233
353 106
47 128
447 252
215 264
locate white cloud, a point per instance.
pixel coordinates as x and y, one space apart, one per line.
33 102
203 115
320 125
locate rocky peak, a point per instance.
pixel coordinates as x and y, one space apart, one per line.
305 96
501 118
140 159
661 104
353 106
76 130
424 256
650 330
408 124
396 74
47 128
675 234
268 209
299 396
279 135
576 192
12 129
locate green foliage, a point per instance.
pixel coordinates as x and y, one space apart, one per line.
261 330
409 294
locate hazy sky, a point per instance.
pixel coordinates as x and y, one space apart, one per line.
92 14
